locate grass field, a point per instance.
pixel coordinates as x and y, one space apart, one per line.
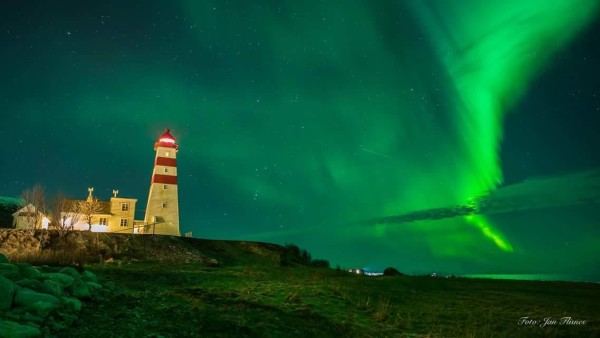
167 286
266 300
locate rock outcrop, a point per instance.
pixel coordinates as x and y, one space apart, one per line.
37 301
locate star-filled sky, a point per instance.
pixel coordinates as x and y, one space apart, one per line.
448 136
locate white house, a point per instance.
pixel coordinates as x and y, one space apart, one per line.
28 217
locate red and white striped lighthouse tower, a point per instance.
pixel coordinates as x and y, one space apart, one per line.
162 211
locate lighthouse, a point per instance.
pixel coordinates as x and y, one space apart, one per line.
162 211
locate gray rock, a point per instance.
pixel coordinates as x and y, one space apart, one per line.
94 287
71 303
67 319
3 258
22 264
32 284
7 293
10 271
52 287
65 280
8 267
89 276
70 271
41 304
10 329
79 289
31 318
42 308
30 272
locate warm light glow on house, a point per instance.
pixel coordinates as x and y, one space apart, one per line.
45 222
99 228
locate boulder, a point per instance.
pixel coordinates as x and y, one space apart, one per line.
10 271
52 287
7 293
65 280
70 272
15 330
30 272
31 318
94 287
40 304
42 308
22 264
3 258
66 320
71 303
89 276
32 284
8 267
79 289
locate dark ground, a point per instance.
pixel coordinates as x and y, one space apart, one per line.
178 287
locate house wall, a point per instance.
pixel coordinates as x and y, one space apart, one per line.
21 221
116 209
113 218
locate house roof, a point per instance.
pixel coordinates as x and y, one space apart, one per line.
166 140
166 137
25 210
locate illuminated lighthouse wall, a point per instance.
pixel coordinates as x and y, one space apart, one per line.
162 211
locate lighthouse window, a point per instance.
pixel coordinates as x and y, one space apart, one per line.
164 186
123 222
124 206
164 204
167 154
166 170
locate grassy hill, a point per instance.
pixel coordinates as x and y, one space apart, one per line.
181 287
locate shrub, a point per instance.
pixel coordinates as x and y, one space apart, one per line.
390 271
320 263
293 255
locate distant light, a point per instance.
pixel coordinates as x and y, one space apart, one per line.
374 273
167 140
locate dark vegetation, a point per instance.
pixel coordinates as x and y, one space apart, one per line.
7 207
392 272
183 287
294 256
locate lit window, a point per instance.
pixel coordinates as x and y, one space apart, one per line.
102 221
124 206
164 186
123 222
167 154
164 204
166 170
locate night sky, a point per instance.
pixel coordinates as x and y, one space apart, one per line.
448 136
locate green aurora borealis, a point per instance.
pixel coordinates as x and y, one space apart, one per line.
300 121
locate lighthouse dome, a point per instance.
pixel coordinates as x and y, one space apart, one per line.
166 140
